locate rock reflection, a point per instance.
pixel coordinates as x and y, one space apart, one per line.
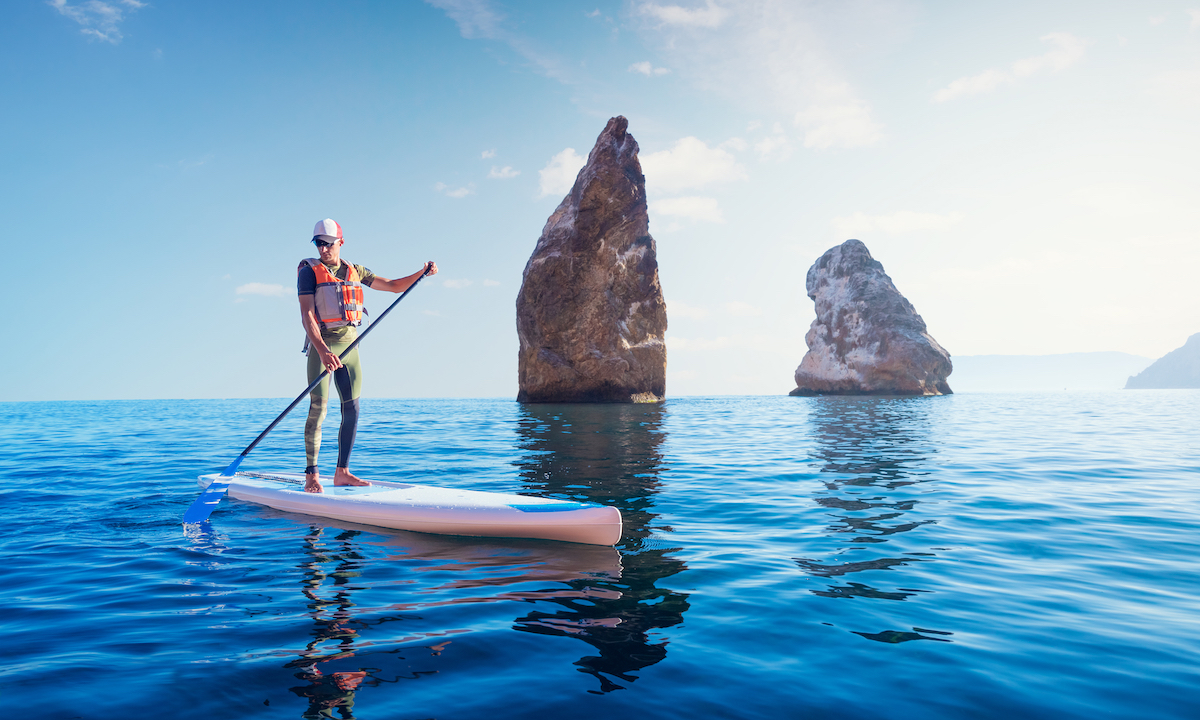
898 636
883 442
871 448
852 567
853 590
609 454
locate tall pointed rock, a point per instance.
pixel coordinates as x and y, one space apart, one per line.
590 314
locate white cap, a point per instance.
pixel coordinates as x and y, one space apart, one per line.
328 229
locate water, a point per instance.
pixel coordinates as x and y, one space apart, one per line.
981 556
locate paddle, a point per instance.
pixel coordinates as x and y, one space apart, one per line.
207 502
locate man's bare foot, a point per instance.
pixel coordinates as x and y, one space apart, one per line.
312 483
342 476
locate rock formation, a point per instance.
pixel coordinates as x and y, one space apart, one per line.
1179 368
590 314
867 339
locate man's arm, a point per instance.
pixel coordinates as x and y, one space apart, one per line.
399 285
312 328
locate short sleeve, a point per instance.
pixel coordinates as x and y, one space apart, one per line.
306 281
366 277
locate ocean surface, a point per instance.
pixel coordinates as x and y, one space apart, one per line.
972 556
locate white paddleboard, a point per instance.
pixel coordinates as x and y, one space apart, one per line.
422 508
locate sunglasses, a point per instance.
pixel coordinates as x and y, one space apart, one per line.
321 243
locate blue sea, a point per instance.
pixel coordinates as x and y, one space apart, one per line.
970 556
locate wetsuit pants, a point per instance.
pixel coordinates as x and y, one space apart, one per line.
348 380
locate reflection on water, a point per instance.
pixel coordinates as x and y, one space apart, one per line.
882 442
327 693
872 450
1069 580
608 454
433 572
334 630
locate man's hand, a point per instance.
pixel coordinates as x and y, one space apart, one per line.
329 360
399 285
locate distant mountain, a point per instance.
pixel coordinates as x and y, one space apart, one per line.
1067 371
1179 368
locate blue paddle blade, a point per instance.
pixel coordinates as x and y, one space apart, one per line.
212 495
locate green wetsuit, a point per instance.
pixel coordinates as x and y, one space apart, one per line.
347 379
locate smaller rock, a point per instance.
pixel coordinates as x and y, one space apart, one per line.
867 338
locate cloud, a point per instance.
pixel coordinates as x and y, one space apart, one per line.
775 146
1122 200
1066 50
904 221
690 163
738 308
475 18
195 163
98 19
488 154
503 173
257 288
779 56
647 69
458 192
711 16
456 284
704 209
1195 16
838 119
678 309
1180 88
479 20
558 177
491 283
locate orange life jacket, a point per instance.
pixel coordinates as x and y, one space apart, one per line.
338 302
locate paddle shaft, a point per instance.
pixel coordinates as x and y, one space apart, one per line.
325 372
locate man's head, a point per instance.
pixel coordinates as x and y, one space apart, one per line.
327 236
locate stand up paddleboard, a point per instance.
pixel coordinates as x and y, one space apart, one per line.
432 509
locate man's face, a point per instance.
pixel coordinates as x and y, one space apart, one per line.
330 253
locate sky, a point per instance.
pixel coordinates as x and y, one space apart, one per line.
1027 173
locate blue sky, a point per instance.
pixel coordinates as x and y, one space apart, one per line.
1025 171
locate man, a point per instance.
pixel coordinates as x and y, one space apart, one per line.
331 307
